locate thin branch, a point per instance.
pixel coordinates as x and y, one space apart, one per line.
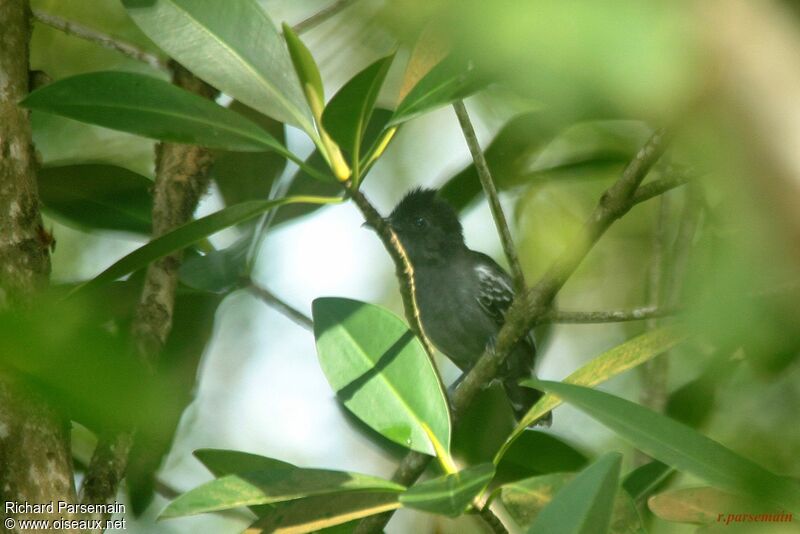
403 268
286 309
103 39
491 520
490 190
611 316
321 16
529 307
660 186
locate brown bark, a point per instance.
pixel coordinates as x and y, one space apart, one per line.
182 176
35 462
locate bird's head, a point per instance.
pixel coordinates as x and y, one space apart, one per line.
427 226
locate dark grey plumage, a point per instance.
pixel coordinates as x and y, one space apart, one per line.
462 295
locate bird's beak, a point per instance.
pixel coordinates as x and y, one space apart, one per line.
371 226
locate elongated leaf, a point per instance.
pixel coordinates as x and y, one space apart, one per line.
646 479
234 46
537 452
271 486
314 513
94 196
348 113
242 176
611 363
305 184
449 494
585 503
304 64
380 372
223 462
524 500
678 445
704 505
431 48
191 233
150 107
448 81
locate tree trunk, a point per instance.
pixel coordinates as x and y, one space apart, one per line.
35 462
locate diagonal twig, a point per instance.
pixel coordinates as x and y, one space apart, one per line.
490 190
321 16
103 39
609 316
275 302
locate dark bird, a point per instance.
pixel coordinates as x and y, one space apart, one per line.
462 295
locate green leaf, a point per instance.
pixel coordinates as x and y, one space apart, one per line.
95 196
536 452
526 498
704 505
242 176
584 504
315 513
223 462
271 486
349 111
678 445
646 479
191 233
611 363
304 515
449 494
304 65
83 364
450 80
234 46
150 107
380 372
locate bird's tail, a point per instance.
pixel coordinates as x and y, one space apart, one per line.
522 399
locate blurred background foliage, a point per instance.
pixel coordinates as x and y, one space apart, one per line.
576 88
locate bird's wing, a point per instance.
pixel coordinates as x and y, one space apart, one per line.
495 289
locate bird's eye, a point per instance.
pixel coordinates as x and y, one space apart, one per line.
420 223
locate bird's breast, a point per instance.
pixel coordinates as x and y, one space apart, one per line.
451 315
